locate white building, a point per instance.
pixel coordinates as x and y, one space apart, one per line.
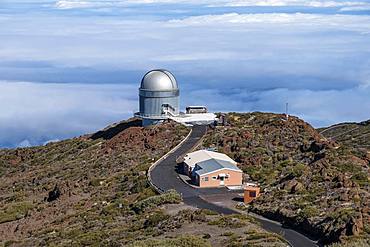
191 159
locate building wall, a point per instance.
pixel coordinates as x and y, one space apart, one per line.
187 169
235 178
150 102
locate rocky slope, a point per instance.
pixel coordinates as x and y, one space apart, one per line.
311 183
93 191
355 136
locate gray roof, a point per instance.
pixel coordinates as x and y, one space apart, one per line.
212 165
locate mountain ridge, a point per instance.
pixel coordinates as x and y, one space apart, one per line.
310 182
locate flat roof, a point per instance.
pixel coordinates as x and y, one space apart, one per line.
195 118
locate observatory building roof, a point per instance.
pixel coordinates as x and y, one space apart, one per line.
159 80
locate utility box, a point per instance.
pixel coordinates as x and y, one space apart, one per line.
251 193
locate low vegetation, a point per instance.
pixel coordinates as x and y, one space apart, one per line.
97 181
14 211
93 191
182 241
154 201
317 184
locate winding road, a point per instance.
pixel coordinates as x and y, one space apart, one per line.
163 176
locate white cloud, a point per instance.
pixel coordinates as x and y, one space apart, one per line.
71 4
311 21
34 113
75 4
24 144
305 3
319 108
355 8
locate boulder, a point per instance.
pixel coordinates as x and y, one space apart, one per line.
293 186
54 194
342 181
355 226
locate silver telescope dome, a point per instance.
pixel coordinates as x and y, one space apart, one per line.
159 80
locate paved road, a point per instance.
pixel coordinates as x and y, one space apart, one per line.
165 177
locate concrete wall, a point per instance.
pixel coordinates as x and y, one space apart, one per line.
235 178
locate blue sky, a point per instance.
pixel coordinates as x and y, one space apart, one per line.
70 67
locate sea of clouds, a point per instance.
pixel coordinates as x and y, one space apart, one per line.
72 67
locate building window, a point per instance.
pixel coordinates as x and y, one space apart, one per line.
252 194
214 178
206 179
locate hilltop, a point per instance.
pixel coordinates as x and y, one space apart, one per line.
355 136
93 190
310 182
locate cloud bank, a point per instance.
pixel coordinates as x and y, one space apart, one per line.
38 113
34 113
70 4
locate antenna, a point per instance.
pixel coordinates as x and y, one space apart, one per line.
286 111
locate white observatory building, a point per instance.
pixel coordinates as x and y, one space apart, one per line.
159 100
158 96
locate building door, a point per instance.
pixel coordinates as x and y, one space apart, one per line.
222 180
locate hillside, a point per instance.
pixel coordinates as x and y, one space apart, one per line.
92 191
311 183
352 135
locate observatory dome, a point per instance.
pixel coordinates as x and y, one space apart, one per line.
158 80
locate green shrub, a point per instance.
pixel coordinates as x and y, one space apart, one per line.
154 201
353 243
14 211
227 234
140 185
256 235
155 218
298 170
96 182
93 238
207 212
182 241
2 170
146 193
308 212
348 167
361 178
232 221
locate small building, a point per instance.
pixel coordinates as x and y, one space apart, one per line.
216 172
191 159
196 109
251 193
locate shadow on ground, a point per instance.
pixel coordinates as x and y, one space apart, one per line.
112 131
